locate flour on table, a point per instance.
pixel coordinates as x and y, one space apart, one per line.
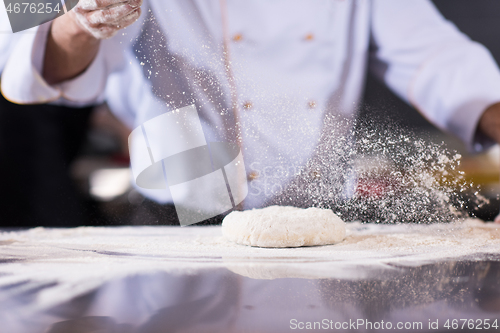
71 262
279 226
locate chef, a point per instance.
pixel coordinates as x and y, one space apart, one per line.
267 75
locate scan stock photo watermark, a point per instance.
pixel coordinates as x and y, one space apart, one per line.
169 154
364 325
24 15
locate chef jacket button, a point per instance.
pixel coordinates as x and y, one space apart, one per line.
309 37
312 104
247 105
315 174
253 175
237 38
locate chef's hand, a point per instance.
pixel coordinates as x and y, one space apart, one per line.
74 38
489 125
104 18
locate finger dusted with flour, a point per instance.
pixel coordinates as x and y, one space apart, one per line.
280 226
104 18
74 39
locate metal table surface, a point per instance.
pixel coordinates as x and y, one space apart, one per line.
170 279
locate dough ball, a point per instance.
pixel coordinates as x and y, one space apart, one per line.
279 226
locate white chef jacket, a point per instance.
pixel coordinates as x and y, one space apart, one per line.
293 62
7 38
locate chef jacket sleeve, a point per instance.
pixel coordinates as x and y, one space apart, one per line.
425 60
7 39
22 81
127 91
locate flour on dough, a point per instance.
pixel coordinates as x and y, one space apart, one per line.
280 226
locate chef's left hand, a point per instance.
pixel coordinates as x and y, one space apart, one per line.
489 125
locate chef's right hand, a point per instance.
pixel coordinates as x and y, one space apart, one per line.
104 18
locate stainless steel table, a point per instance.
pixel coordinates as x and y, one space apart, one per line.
415 278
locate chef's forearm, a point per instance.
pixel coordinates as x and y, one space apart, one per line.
489 124
69 50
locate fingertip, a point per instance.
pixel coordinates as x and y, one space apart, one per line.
134 15
135 3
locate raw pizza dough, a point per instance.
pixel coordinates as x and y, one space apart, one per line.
280 226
